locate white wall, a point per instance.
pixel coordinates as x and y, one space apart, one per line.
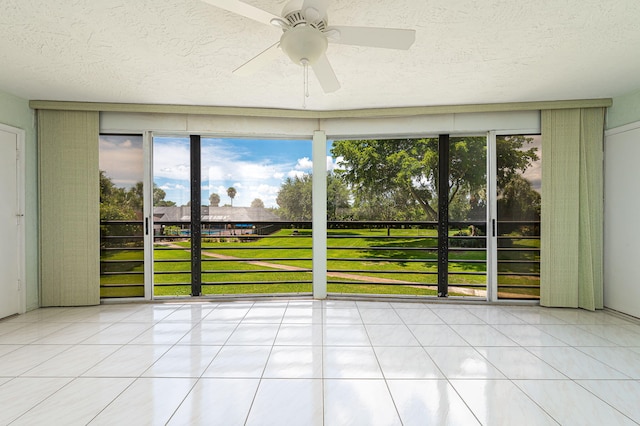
15 112
622 219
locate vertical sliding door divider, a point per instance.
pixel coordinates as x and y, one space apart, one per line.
196 218
443 216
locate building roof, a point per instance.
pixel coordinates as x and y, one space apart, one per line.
215 214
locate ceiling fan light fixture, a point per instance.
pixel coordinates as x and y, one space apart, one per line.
303 43
312 14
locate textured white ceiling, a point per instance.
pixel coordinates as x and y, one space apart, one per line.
183 52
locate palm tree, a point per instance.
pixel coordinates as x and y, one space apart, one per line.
214 200
231 192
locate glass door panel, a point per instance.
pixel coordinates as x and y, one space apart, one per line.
467 259
518 187
171 216
247 237
382 213
256 216
121 163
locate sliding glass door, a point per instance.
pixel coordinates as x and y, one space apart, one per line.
231 216
121 162
516 221
256 224
465 193
171 216
408 216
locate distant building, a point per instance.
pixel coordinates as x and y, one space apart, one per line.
215 214
222 219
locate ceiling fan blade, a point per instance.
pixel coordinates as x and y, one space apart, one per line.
324 72
243 9
388 38
259 61
314 10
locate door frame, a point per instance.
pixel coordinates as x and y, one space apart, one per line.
21 216
319 143
147 213
492 211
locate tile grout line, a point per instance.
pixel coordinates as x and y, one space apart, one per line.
446 378
199 378
255 395
133 379
375 354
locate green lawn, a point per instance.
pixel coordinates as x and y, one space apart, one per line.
406 257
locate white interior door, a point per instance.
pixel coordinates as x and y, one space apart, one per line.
11 217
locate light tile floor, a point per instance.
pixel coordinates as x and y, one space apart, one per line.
304 362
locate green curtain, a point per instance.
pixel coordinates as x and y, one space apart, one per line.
69 208
572 208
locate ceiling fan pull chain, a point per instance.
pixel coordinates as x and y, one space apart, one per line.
306 78
305 82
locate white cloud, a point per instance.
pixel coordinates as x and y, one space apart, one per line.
171 160
268 189
173 187
278 175
296 174
267 193
334 164
304 163
122 161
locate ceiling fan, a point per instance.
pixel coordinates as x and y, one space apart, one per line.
306 34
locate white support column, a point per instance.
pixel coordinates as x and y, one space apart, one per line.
319 215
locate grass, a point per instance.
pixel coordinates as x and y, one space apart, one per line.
398 258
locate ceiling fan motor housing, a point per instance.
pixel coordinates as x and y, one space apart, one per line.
303 43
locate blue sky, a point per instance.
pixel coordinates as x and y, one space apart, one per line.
256 168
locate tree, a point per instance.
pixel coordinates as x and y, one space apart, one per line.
121 204
519 201
257 203
407 170
387 206
115 202
296 202
294 198
338 195
158 198
214 200
231 192
512 158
